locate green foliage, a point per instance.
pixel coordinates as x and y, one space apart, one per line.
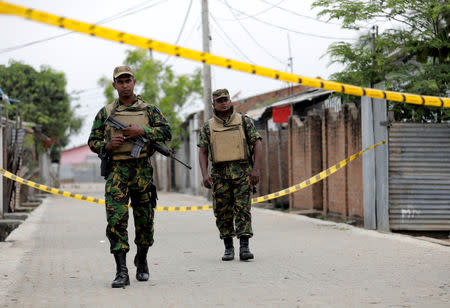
160 86
413 56
43 100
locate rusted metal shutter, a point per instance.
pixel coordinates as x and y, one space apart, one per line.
419 176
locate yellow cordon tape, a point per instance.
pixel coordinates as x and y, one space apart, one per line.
312 180
56 191
48 189
315 178
145 43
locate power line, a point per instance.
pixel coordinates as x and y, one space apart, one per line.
224 39
292 30
78 92
196 25
124 13
181 30
259 13
184 22
299 15
231 41
251 36
135 11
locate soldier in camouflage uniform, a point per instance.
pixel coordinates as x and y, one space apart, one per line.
129 177
230 141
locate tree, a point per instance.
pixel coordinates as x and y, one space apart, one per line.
412 56
43 101
160 86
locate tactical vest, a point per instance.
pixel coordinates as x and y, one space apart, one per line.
131 114
227 139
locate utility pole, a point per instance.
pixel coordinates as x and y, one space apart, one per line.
290 62
3 99
373 47
206 67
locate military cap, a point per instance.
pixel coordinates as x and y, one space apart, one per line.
122 70
220 93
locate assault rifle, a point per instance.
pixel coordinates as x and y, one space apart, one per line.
139 142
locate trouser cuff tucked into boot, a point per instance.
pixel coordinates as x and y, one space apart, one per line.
122 279
229 249
140 260
244 251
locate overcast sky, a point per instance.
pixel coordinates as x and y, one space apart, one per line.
252 31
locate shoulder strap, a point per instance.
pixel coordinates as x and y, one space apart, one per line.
245 129
250 158
110 108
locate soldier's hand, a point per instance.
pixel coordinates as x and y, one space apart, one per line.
133 131
207 181
254 177
115 142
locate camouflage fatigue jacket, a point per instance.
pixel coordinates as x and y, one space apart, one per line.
158 131
234 169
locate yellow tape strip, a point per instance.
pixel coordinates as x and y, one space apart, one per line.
183 208
145 43
56 191
314 179
48 189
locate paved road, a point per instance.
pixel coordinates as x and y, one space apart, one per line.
59 257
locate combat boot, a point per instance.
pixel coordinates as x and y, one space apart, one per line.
122 278
229 249
141 263
244 251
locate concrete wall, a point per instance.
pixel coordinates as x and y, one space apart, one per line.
84 172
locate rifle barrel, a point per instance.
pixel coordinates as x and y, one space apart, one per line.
184 164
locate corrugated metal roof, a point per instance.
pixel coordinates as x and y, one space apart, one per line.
301 97
294 99
256 113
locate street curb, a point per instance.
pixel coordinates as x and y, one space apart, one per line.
423 241
16 245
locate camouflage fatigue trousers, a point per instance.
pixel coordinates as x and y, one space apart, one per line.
232 205
130 179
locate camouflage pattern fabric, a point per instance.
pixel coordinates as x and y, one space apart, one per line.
130 179
231 188
232 205
220 93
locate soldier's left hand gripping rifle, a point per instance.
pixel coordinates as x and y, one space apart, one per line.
139 142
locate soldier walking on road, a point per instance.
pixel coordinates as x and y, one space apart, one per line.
128 177
230 141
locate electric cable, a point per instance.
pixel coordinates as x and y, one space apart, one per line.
181 30
231 41
256 14
292 30
196 25
251 36
299 15
105 20
224 39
